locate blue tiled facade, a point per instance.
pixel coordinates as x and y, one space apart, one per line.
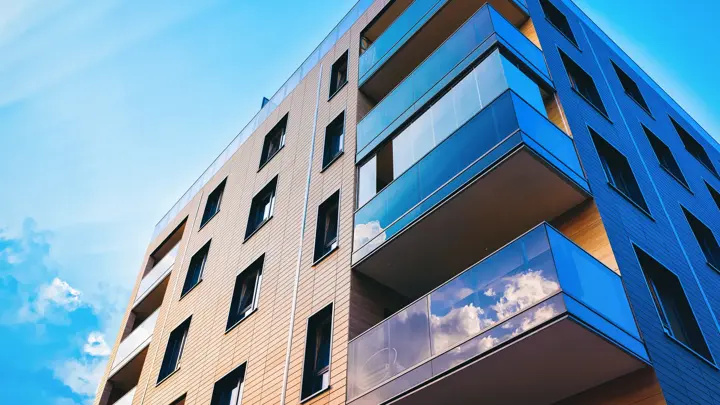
664 232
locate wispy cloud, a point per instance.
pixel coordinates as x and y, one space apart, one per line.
81 376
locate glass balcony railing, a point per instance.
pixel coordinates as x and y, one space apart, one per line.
407 24
137 340
158 272
126 399
502 125
530 282
483 30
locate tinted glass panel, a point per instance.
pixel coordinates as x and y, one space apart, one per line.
583 83
618 171
326 236
706 239
694 147
174 349
334 136
631 88
274 140
665 157
245 293
228 390
316 373
261 208
558 19
195 269
212 206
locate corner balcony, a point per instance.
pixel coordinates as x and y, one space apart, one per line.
540 310
408 31
480 34
134 343
503 171
156 275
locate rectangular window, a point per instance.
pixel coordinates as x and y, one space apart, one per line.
316 371
246 292
631 88
228 390
558 19
665 157
338 74
174 350
212 206
583 83
714 194
179 401
672 305
261 208
334 135
705 238
618 171
326 234
274 141
694 147
196 268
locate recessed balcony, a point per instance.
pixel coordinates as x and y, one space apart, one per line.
480 34
540 310
407 32
135 342
156 275
126 399
501 172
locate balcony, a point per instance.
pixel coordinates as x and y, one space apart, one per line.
485 30
126 399
156 275
408 31
135 342
540 310
504 170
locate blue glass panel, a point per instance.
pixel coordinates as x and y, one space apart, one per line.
520 44
590 282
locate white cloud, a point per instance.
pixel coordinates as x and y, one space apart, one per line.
370 233
82 377
456 325
96 345
522 291
52 302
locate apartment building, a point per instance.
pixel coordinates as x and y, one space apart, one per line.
450 201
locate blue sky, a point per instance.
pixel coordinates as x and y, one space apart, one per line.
109 110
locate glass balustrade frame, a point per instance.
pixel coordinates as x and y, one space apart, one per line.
157 274
135 342
463 157
548 277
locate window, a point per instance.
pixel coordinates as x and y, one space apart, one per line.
179 401
618 171
672 305
261 208
631 88
693 146
326 234
274 141
316 372
583 83
196 268
665 157
246 292
334 134
705 238
212 206
714 194
174 349
228 390
558 19
338 74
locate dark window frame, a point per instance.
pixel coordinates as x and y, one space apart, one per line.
552 13
254 270
216 197
713 193
705 238
269 191
326 247
182 330
694 147
339 73
583 84
618 172
205 251
631 88
673 308
235 379
278 131
312 373
329 160
666 159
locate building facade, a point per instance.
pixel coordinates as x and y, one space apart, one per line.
449 200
